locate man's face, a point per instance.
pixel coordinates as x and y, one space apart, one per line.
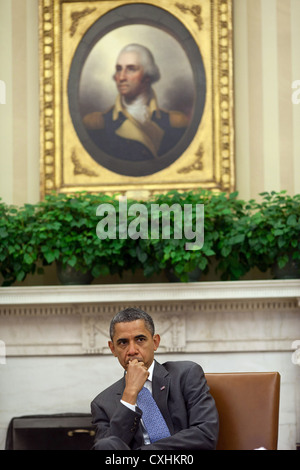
129 75
132 340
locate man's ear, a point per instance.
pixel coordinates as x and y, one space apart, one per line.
146 80
111 347
156 340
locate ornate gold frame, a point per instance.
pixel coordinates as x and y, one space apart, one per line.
207 162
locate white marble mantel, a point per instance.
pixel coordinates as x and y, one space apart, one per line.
43 295
192 317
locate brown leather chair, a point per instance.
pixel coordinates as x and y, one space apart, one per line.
248 406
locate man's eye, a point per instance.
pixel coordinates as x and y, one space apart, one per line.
132 68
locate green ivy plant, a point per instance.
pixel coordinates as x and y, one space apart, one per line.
274 230
264 234
18 252
171 254
238 235
233 253
65 232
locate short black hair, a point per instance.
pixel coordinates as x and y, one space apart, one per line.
131 314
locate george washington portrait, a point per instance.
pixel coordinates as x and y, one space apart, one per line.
139 97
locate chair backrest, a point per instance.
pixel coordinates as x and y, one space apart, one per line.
248 406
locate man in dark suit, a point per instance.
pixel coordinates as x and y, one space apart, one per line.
179 389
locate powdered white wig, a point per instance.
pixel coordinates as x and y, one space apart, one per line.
147 60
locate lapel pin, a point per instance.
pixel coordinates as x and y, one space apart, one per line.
163 387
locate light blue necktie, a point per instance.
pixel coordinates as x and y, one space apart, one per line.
152 418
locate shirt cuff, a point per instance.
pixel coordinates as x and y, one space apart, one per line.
129 405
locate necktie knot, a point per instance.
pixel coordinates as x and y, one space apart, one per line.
152 418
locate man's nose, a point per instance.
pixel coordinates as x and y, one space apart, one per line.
132 349
122 74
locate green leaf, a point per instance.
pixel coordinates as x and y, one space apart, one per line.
278 232
28 259
281 242
101 270
282 261
3 232
72 261
49 256
225 251
292 220
20 276
237 239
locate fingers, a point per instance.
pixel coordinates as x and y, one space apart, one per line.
137 371
137 374
137 364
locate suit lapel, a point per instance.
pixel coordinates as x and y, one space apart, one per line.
120 385
160 392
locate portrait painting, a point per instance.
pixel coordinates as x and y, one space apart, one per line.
134 99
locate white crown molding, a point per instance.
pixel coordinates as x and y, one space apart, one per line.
163 292
191 318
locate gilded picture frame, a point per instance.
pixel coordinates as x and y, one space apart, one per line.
85 148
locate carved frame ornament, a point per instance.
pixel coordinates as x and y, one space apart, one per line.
191 42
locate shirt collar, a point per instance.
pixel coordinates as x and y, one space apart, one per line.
150 370
153 107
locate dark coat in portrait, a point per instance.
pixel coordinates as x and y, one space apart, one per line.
118 134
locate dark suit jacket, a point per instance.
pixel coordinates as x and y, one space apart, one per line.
181 393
